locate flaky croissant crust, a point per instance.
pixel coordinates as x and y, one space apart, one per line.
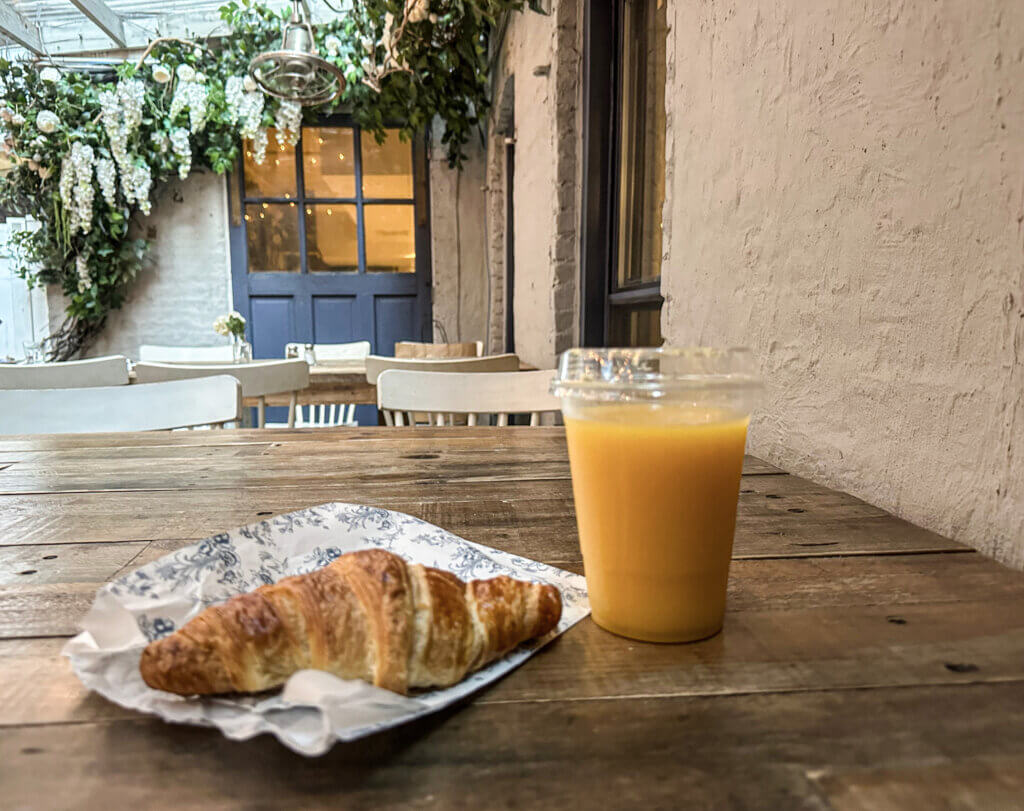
369 615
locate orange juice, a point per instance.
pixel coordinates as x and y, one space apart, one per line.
656 486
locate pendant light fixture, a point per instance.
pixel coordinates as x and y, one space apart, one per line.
296 72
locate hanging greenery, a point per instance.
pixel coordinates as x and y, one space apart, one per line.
89 155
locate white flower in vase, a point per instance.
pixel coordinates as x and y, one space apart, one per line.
333 45
47 121
185 72
49 74
161 74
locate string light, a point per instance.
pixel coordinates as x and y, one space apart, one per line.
329 212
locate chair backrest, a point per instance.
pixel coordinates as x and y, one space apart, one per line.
375 364
152 353
145 407
356 350
72 374
258 378
443 394
415 349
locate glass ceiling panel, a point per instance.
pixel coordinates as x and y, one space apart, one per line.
66 30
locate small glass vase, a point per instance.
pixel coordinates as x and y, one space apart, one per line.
241 349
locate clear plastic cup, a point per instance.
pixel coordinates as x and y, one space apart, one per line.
656 441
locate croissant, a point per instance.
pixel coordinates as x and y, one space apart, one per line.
368 615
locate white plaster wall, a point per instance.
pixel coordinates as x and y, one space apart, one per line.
846 196
188 282
528 53
458 240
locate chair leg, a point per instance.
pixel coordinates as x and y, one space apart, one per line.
261 412
292 403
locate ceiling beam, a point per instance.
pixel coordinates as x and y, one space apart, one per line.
100 13
13 27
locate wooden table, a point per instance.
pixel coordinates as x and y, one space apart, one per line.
865 663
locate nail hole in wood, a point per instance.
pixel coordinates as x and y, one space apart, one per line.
795 510
896 620
49 557
28 571
772 495
961 667
746 491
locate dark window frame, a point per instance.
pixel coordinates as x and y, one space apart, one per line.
602 109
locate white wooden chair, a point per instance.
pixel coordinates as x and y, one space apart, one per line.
442 395
328 415
377 364
146 407
73 374
258 379
153 353
355 350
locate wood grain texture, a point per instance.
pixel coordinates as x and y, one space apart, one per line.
712 752
864 662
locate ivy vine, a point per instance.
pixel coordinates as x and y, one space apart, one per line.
89 154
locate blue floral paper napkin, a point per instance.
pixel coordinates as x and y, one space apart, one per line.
314 709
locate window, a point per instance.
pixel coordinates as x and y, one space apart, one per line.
624 155
336 202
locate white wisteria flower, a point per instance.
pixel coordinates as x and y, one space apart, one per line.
193 97
333 45
185 72
200 77
161 73
136 183
49 74
47 121
76 188
106 174
182 150
82 269
288 122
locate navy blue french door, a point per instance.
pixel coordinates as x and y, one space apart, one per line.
330 241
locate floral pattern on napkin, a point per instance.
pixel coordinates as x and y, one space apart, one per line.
314 710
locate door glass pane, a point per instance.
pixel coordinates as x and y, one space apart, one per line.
387 167
275 177
329 161
272 232
637 325
642 127
390 239
332 237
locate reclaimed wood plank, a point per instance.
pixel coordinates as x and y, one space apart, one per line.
54 609
983 783
766 651
711 752
482 438
539 513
